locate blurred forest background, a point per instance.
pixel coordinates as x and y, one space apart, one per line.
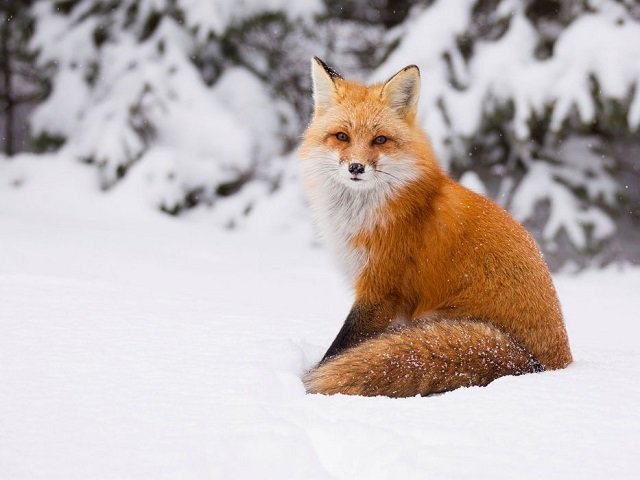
534 102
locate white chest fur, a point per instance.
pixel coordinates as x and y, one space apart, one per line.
342 213
343 209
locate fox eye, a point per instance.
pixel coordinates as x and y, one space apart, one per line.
380 139
343 137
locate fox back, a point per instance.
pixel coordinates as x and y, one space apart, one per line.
418 247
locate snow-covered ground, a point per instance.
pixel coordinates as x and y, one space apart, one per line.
138 346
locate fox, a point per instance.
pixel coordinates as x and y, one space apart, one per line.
449 290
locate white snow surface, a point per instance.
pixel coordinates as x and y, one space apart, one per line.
139 346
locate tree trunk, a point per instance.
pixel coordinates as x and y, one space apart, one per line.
7 93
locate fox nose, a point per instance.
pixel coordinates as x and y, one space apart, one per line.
356 168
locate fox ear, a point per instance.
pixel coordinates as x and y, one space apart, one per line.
402 91
324 87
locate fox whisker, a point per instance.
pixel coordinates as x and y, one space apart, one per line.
387 173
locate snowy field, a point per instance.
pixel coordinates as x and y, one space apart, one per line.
138 346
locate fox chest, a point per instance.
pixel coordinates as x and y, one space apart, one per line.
341 222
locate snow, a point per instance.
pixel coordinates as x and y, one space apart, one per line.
565 213
149 105
430 35
194 95
136 345
472 181
599 44
217 16
592 62
248 99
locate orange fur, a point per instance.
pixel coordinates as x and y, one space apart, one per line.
432 252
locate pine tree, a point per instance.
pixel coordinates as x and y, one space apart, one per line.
536 102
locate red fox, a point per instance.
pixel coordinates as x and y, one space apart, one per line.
450 291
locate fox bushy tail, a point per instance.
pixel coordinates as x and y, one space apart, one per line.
434 357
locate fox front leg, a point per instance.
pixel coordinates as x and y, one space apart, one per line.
363 322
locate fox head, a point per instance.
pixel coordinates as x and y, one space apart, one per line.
364 137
